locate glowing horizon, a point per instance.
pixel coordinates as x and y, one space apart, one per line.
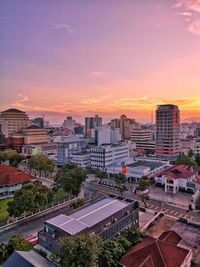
105 57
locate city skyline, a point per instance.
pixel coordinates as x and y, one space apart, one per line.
106 57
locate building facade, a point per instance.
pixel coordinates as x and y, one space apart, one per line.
13 121
106 217
34 135
106 155
167 131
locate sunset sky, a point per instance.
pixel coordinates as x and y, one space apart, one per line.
82 57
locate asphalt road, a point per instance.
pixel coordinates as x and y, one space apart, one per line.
154 204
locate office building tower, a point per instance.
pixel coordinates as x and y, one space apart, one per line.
13 121
39 122
167 131
69 123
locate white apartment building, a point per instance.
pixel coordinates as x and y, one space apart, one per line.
82 159
103 135
106 155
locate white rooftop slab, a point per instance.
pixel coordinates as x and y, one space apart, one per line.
87 216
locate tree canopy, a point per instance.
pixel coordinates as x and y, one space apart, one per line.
13 157
41 163
15 242
31 197
80 250
120 181
70 179
184 159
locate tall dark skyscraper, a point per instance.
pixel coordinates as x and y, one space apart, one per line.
167 131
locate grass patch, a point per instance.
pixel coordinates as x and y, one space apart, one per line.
3 210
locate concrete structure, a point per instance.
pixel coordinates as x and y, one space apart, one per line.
82 159
105 217
11 180
195 146
39 122
115 135
167 131
48 149
143 139
13 121
70 145
34 135
125 124
92 123
103 135
69 123
138 168
166 251
176 177
106 155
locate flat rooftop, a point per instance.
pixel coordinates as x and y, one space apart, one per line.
144 163
87 216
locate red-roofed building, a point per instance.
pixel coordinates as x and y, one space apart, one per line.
162 252
176 177
11 180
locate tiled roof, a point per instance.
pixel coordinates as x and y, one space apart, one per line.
10 175
170 237
33 127
177 171
153 252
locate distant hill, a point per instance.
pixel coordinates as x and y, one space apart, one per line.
197 119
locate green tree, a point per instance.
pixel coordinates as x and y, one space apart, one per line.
101 174
144 197
184 159
41 163
77 203
15 242
70 179
31 197
190 153
19 243
3 157
13 157
111 253
80 251
120 181
133 235
197 159
144 183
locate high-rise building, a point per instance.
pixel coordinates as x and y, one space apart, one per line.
93 122
69 123
39 122
125 124
13 121
167 131
103 135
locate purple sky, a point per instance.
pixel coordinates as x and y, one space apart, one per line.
80 57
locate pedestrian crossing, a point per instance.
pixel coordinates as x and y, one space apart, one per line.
168 211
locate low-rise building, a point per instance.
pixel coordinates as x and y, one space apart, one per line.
11 180
106 217
176 177
165 251
140 167
106 155
34 135
82 159
47 149
69 146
